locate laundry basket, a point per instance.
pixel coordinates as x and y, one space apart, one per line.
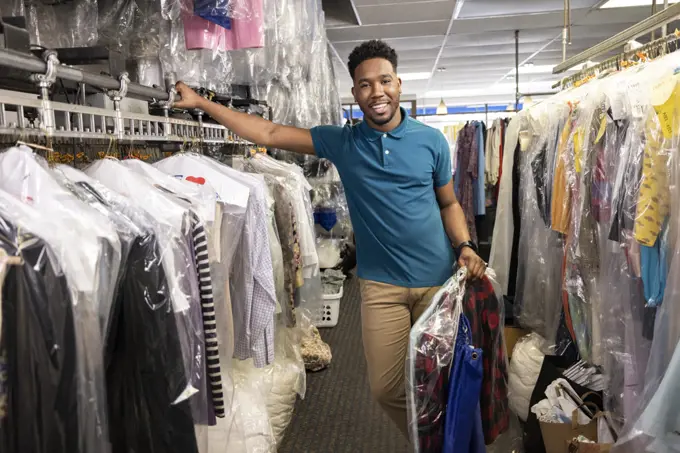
327 315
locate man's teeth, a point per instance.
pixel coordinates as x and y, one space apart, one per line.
380 108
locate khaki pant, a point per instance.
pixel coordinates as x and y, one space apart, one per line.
387 315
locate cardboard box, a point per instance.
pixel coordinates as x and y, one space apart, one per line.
581 447
558 436
512 334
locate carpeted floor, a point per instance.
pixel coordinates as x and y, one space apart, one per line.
338 414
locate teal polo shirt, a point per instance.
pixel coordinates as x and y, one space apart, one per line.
390 180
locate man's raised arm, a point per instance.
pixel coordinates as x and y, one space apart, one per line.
249 127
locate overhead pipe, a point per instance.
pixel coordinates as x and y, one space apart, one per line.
26 62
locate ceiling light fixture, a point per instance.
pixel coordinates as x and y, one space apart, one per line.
415 76
631 3
441 108
528 65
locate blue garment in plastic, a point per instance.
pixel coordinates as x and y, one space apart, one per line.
216 11
326 217
463 424
654 269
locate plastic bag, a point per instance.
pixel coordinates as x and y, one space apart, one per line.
525 367
149 348
80 279
57 24
430 354
539 266
253 270
173 235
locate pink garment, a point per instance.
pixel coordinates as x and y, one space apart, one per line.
200 33
247 28
247 25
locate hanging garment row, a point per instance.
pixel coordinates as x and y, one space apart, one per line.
587 240
127 289
477 152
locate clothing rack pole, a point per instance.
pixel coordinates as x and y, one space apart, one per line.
611 62
618 40
516 70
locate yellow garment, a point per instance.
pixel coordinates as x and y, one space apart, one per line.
654 199
560 208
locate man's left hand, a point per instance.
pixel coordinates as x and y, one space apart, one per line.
475 265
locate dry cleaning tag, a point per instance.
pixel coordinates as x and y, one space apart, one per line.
636 99
665 97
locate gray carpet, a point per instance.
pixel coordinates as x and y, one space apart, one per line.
338 414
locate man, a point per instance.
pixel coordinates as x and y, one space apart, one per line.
407 222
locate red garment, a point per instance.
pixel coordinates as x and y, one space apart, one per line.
485 313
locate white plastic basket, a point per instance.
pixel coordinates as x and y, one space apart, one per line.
327 315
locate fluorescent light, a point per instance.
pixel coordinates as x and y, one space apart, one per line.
414 76
630 3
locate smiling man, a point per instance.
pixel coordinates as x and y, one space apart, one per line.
408 225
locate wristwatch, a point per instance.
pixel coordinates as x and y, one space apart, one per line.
469 244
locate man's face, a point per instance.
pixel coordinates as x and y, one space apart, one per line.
377 89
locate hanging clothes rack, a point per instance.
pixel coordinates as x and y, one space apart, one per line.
25 115
650 50
654 21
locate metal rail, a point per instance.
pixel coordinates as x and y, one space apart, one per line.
656 21
21 61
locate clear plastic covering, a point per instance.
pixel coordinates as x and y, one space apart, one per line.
611 249
538 299
173 225
525 367
56 399
251 280
149 347
457 371
55 24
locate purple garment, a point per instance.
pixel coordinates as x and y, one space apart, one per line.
466 174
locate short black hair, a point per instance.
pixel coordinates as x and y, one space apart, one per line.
374 48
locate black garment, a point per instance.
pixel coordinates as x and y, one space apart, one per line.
624 213
539 169
516 220
39 337
144 369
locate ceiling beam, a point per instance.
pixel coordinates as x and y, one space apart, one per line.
454 15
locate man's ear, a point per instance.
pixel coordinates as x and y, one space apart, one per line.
354 95
399 79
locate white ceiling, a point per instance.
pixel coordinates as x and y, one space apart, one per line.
480 47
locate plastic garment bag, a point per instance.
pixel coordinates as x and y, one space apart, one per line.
538 290
54 387
173 224
430 355
252 283
463 425
653 427
144 363
308 290
91 270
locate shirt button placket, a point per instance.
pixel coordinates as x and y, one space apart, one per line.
387 151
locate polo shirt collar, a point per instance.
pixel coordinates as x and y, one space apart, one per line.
397 132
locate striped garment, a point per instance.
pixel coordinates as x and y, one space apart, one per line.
209 320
